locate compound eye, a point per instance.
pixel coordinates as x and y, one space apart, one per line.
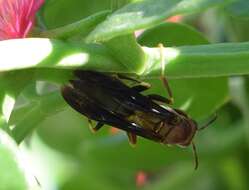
176 120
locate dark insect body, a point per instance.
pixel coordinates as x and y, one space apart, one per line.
107 100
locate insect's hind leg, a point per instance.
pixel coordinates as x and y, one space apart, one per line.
132 138
163 78
141 85
140 88
96 128
159 99
124 77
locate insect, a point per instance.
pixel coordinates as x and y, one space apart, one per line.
108 100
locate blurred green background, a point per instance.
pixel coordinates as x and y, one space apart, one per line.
63 154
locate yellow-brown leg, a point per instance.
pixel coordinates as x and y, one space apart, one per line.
132 138
163 78
96 128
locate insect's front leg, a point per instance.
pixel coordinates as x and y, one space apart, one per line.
163 78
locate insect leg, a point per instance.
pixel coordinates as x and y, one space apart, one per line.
159 98
96 128
195 155
141 83
132 138
163 78
121 76
90 125
181 112
165 136
157 128
208 123
140 88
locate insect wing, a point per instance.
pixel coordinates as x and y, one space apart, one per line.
121 93
92 110
81 103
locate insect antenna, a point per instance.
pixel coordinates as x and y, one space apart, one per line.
208 123
195 155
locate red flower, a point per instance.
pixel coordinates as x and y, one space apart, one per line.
17 17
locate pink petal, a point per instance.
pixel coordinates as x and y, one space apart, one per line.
17 17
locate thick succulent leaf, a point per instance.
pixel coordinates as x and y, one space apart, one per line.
198 96
62 12
11 84
144 14
174 34
212 60
224 59
22 53
237 19
239 8
127 51
28 117
12 175
79 28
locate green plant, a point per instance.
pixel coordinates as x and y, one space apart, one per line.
205 77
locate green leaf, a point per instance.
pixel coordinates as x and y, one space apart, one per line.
172 34
71 123
214 60
103 155
62 12
234 173
11 84
191 95
11 175
175 179
117 4
239 8
224 59
128 52
80 28
144 14
34 113
195 96
22 53
236 21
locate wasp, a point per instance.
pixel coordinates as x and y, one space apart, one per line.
106 99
